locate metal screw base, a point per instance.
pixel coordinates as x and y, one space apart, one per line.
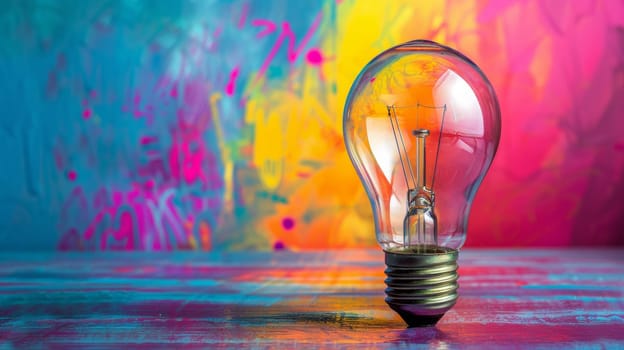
422 283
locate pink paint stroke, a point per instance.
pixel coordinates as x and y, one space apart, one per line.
270 27
243 17
231 85
292 52
145 140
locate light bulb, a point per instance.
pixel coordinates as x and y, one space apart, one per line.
421 126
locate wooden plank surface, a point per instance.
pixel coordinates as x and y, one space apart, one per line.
543 298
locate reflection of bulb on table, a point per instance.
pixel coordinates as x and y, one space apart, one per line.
421 125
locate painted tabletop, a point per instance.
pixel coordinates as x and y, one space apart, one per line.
535 298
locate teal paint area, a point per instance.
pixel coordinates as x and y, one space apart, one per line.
108 139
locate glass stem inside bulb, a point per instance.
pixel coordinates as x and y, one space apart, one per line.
420 227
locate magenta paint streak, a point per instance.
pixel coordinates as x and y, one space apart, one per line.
145 140
243 16
231 85
152 215
269 27
124 232
173 92
190 161
136 110
287 34
141 212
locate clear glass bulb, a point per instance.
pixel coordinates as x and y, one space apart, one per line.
421 125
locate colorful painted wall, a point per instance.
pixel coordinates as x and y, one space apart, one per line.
216 125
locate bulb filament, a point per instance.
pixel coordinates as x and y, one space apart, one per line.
420 226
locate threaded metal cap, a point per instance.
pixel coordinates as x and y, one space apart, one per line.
422 283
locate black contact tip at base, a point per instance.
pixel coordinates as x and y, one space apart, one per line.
414 321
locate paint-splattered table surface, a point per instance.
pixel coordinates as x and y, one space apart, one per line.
543 298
